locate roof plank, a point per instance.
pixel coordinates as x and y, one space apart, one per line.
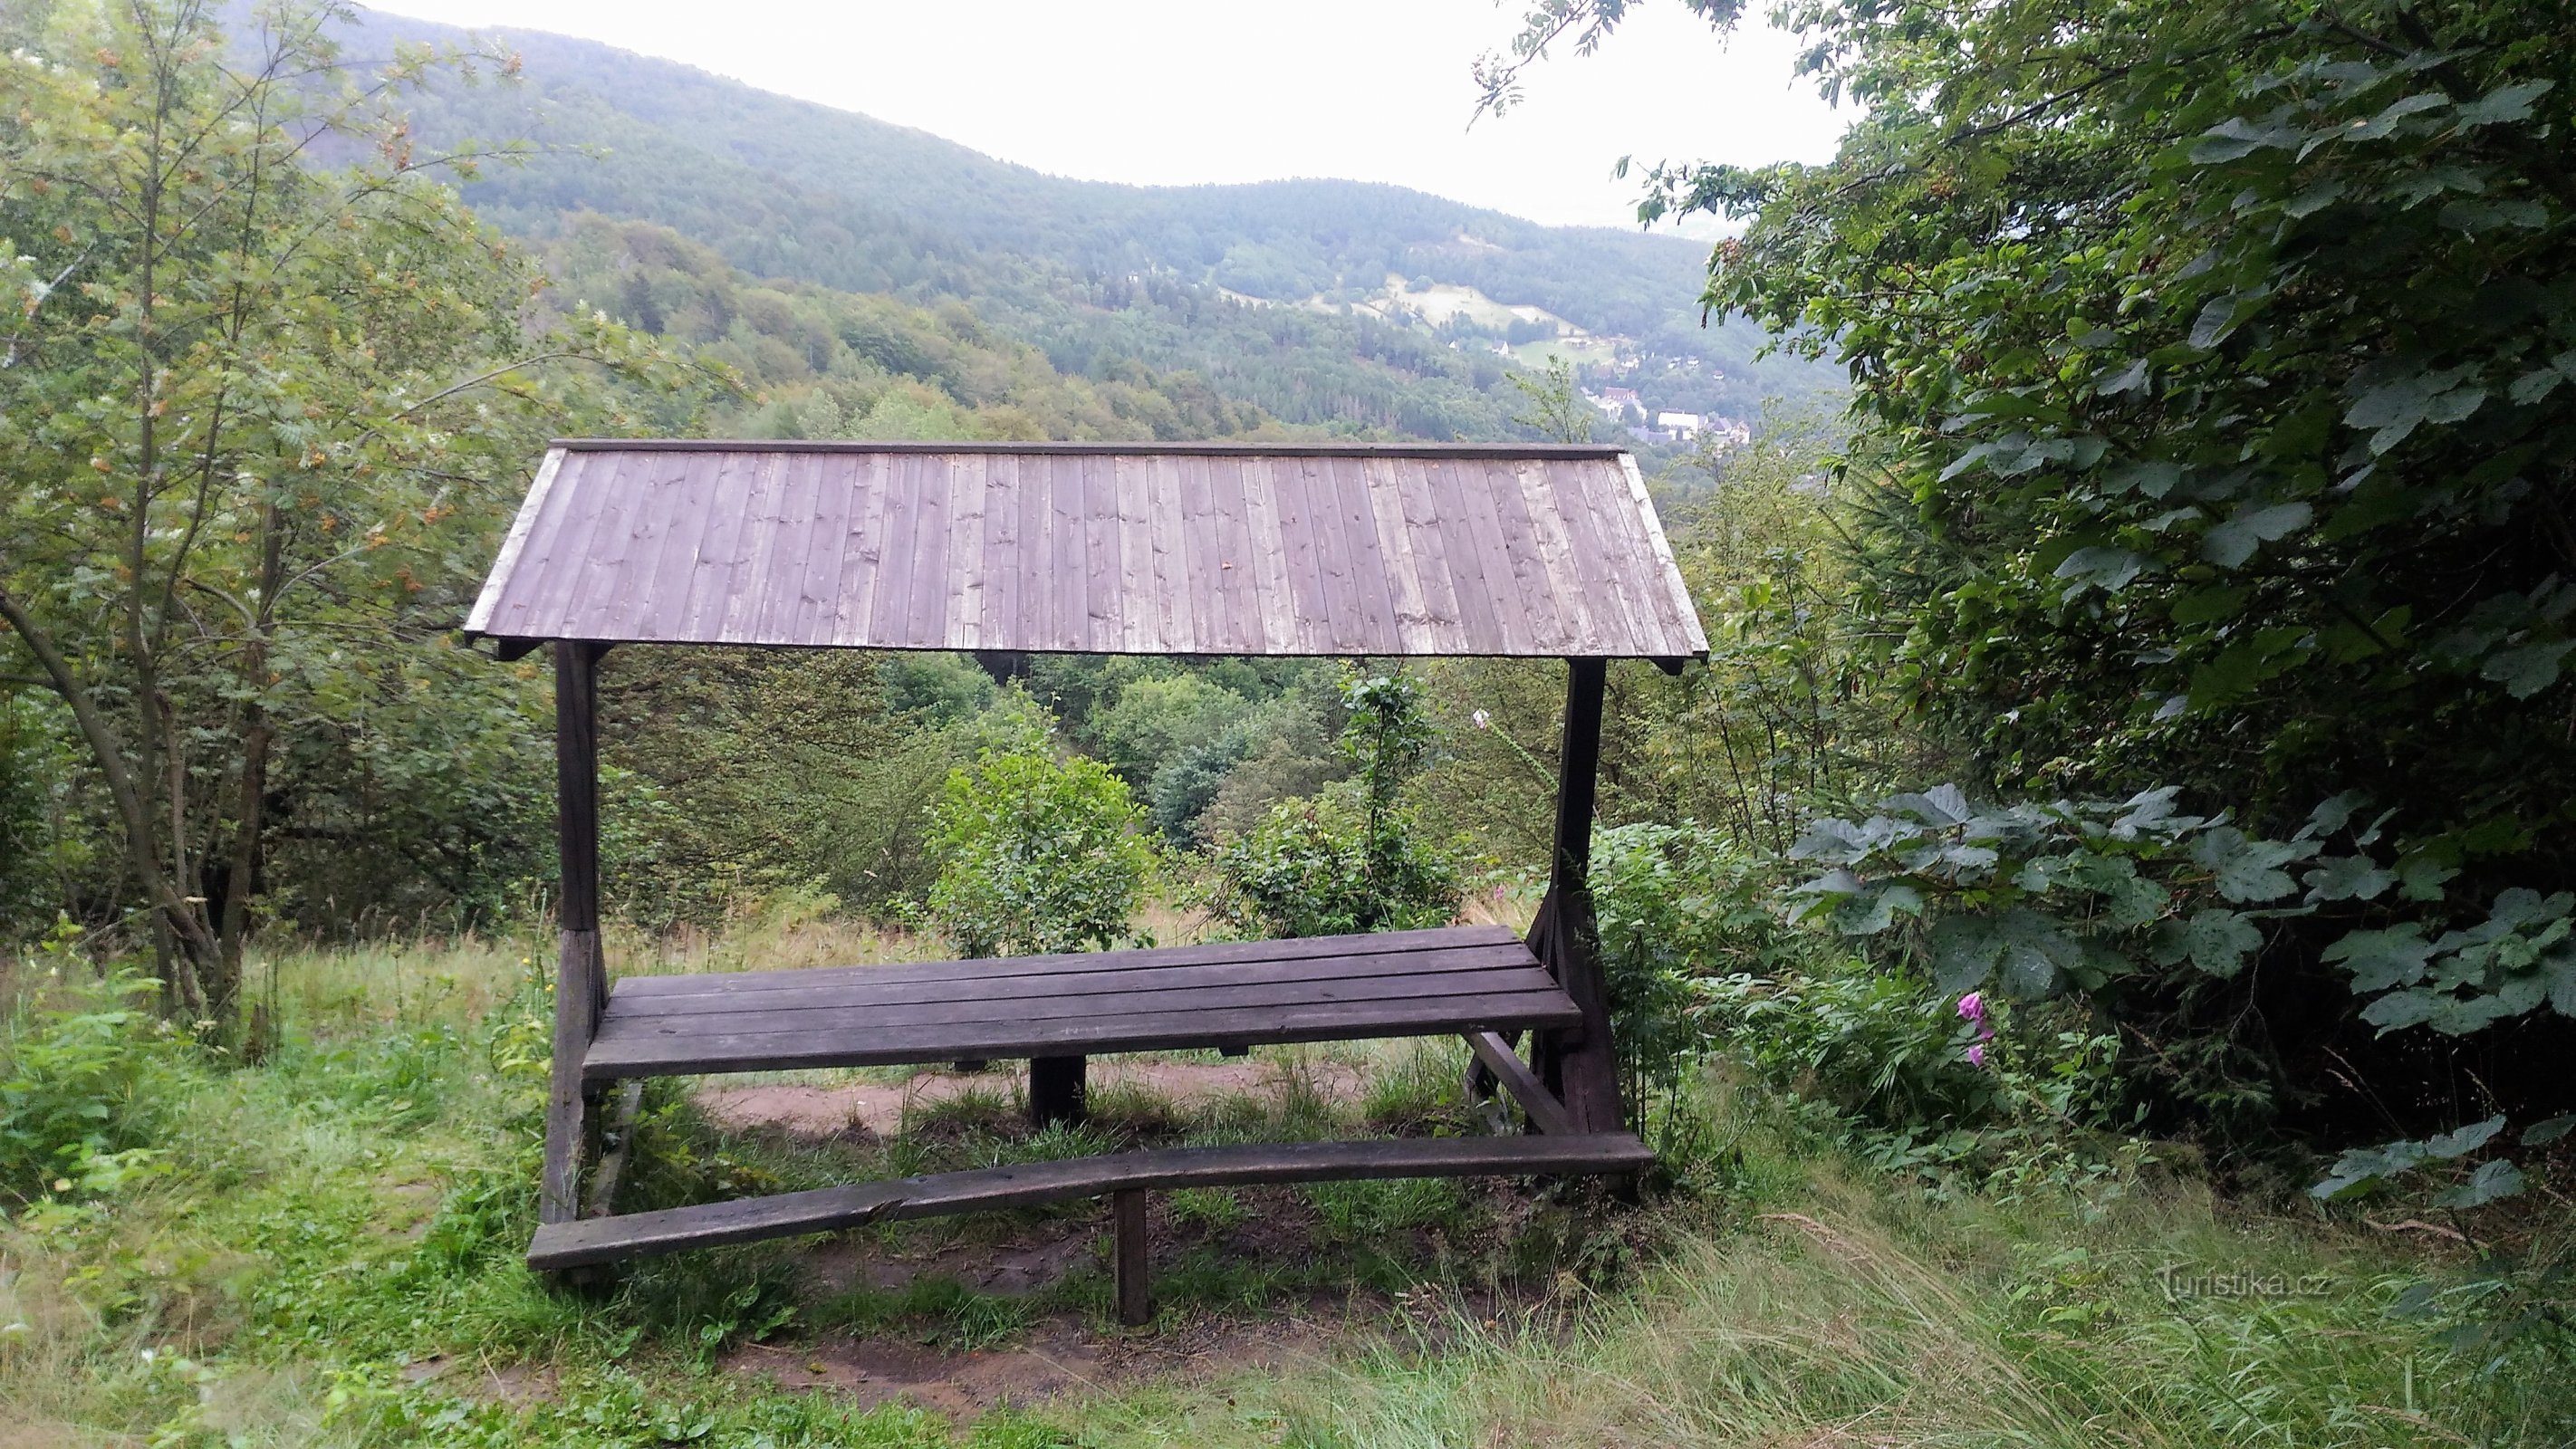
1203 548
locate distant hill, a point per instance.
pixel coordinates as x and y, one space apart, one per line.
1103 277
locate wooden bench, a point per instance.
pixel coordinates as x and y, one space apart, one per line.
1479 982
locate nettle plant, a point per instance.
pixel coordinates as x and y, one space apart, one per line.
2080 895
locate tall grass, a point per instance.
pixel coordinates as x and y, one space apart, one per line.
325 1251
1864 1320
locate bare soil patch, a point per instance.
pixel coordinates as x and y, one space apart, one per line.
880 1109
1057 1357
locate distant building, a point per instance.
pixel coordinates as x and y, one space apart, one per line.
1618 404
1680 427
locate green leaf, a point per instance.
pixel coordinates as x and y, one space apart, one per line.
1964 949
2154 479
2492 1180
2220 940
2548 1130
2132 378
2220 316
2233 542
2348 878
2393 410
2247 870
2108 569
2536 384
2421 877
2036 953
2528 669
2386 121
1876 908
2400 1009
2504 103
2461 1141
2382 959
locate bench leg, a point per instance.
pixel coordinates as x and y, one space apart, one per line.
1130 1258
1056 1091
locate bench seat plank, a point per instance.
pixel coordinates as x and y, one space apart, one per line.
601 1240
1233 995
1214 953
1019 993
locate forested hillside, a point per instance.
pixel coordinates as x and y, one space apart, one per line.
1249 286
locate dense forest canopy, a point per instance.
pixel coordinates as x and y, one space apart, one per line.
2209 368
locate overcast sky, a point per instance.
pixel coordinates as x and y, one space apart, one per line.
1178 91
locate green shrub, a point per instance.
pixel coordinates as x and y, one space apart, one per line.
1038 854
77 1109
1312 869
1874 1045
1673 903
1154 720
1348 861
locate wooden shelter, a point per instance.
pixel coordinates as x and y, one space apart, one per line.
1193 549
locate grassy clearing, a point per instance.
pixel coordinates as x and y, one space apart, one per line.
324 1251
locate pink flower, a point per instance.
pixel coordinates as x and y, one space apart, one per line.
1973 1007
1484 720
1977 1055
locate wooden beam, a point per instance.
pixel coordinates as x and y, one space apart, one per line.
620 1135
1582 1065
605 1240
1131 1257
1056 1091
581 985
1546 1113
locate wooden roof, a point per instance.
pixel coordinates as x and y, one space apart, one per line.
1213 549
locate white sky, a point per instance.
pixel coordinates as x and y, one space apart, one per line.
1181 91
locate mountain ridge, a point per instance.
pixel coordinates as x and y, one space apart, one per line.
1093 272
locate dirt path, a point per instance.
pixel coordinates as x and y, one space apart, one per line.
879 1109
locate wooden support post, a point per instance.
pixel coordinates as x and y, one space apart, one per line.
1545 1112
581 977
1056 1091
1580 1066
620 1136
1130 1258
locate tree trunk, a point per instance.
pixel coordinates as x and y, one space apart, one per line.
180 937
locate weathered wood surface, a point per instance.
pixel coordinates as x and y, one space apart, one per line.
1131 1257
602 1240
1582 1065
581 982
1216 549
1176 1030
1220 953
601 1200
1546 1113
1229 995
1027 999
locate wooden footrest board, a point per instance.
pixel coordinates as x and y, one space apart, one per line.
636 1235
1231 994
